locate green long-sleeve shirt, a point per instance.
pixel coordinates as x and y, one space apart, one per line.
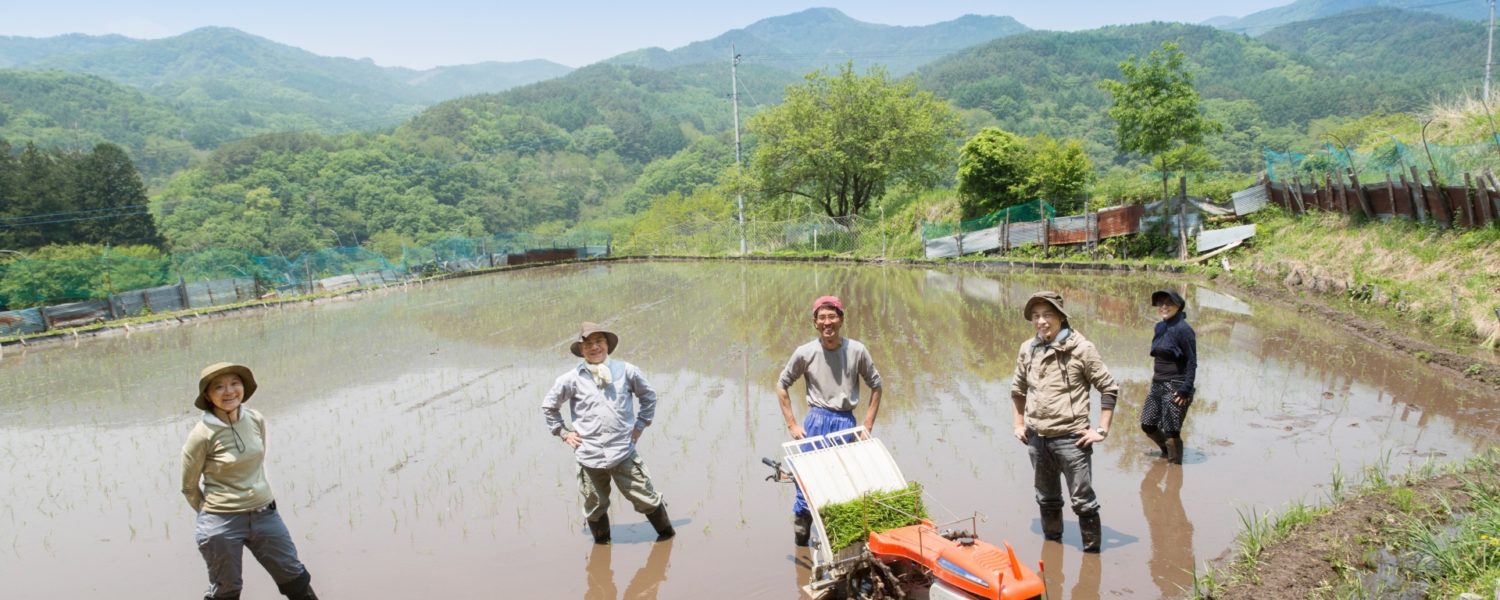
229 460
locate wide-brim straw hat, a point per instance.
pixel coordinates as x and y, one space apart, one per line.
587 329
217 369
1053 298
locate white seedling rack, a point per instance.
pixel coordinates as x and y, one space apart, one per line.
838 467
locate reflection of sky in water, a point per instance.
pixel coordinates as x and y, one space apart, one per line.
409 454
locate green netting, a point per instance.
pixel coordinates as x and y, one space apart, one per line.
1033 210
1389 158
27 282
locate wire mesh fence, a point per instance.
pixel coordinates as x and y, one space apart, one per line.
707 237
49 294
1390 158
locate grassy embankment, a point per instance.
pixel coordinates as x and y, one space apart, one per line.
1446 282
1434 533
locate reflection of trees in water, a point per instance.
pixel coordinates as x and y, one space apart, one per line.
946 330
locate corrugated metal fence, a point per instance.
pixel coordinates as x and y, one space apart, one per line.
1060 231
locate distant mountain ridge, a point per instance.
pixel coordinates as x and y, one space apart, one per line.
1255 24
258 79
819 37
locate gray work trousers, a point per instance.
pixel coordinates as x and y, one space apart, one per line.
630 475
1059 458
222 539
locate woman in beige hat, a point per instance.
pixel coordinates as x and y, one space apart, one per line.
224 481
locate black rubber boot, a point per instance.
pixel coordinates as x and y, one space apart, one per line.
1161 441
1174 450
299 588
600 528
1052 525
1092 530
661 522
802 528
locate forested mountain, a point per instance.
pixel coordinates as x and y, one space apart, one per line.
16 51
1046 82
820 37
445 83
77 112
608 139
1422 46
552 152
240 84
1305 10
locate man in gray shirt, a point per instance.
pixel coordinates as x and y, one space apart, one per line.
833 366
604 429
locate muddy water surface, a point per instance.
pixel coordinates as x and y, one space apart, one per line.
409 456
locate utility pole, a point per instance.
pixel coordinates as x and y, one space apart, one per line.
1489 53
734 84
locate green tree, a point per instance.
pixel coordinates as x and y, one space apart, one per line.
994 171
59 273
841 140
107 184
1156 107
1061 172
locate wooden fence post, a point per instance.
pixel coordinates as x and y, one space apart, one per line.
1414 191
1469 203
1046 233
1182 217
1005 234
1343 196
1491 207
1390 191
1442 197
958 237
1297 193
1364 198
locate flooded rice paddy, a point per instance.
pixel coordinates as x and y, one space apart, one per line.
410 459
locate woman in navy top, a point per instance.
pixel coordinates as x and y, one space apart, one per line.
1175 350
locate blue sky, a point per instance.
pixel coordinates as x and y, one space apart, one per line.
572 32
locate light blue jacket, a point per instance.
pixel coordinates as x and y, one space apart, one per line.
603 416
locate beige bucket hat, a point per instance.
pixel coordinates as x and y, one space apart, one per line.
217 369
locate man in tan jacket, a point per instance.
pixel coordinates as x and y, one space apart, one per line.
1050 394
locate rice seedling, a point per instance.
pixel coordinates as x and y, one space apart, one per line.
848 522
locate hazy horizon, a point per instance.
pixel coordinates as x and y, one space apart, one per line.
570 32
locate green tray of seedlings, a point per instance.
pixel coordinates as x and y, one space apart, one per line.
851 522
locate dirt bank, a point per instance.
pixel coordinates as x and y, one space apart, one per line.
1360 547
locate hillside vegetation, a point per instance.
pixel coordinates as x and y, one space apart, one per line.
229 84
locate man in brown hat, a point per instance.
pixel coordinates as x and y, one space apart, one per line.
601 394
1050 394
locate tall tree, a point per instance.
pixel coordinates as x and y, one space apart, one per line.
841 140
1061 172
106 184
40 184
994 167
1156 107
